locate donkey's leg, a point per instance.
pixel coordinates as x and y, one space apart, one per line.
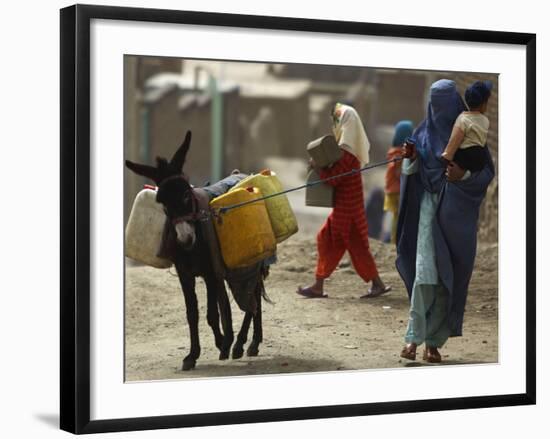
257 337
212 314
238 349
188 286
225 314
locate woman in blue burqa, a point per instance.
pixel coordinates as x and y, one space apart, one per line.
437 227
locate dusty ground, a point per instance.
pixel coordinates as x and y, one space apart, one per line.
341 332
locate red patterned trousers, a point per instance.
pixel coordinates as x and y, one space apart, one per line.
330 251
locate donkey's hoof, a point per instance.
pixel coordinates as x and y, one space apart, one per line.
237 353
252 351
224 355
188 364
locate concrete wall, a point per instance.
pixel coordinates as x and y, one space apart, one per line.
137 70
132 139
169 123
289 134
400 96
151 65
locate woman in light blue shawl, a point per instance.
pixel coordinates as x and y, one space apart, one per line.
437 228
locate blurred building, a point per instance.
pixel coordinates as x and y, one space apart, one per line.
260 116
245 114
137 70
381 97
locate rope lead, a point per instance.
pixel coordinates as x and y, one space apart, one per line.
224 210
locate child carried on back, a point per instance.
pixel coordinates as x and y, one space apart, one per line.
468 139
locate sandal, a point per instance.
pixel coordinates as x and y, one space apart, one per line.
431 356
372 294
310 294
409 352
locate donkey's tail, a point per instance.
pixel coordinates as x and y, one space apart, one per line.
264 273
265 296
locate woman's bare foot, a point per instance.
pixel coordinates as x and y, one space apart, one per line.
314 290
409 351
378 288
431 355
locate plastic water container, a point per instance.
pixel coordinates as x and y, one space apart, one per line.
245 234
144 230
324 151
282 218
320 195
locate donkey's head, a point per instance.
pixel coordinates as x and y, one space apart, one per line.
164 168
174 191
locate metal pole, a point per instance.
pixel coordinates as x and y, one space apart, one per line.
216 102
145 149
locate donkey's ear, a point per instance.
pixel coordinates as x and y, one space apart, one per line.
145 170
179 157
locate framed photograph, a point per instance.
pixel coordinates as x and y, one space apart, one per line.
276 218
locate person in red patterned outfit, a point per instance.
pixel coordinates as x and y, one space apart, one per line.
346 227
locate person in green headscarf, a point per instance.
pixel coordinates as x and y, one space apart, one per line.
403 129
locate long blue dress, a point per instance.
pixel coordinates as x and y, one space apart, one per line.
429 298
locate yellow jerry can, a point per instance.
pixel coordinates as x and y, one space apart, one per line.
283 220
245 234
143 233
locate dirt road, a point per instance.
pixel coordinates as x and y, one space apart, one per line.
341 332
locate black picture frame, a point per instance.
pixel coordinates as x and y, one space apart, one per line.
75 217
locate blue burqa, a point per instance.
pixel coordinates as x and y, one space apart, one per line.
456 217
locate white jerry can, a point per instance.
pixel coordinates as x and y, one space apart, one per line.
144 230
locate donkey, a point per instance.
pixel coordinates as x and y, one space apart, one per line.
194 252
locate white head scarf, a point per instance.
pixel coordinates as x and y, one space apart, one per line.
350 133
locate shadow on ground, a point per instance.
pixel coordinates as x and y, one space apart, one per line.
260 365
446 363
